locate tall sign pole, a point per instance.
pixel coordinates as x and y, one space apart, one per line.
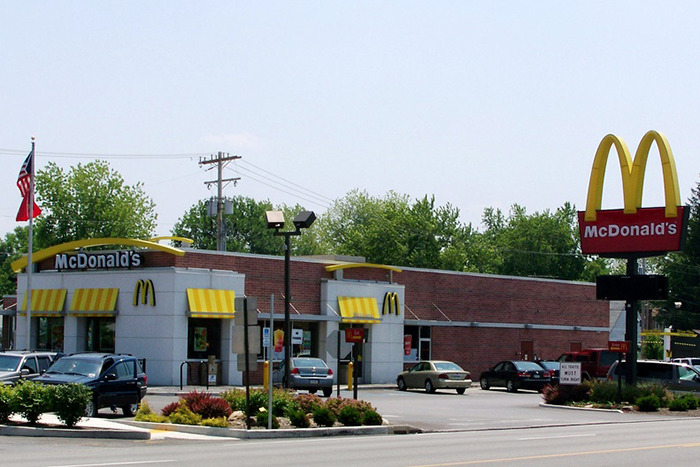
631 327
30 246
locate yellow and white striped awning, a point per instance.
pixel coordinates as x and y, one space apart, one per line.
94 302
358 310
211 303
45 303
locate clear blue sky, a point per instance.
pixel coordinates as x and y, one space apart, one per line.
483 104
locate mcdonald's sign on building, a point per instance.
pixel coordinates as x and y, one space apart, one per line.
633 230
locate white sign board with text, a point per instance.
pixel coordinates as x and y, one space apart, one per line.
570 373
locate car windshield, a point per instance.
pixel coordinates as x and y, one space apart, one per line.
687 373
308 362
447 366
550 365
9 362
527 366
76 366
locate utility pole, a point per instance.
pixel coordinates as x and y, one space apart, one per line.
221 159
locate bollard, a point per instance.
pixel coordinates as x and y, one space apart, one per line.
350 370
266 375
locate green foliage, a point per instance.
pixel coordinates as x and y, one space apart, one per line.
649 403
206 404
237 400
12 247
221 422
308 402
31 400
653 348
90 201
372 417
262 417
323 416
184 416
655 389
691 400
282 401
350 415
679 405
146 414
298 418
6 402
604 392
69 402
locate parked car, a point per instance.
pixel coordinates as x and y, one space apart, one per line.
595 363
677 377
552 366
309 373
435 374
17 364
115 380
692 361
514 375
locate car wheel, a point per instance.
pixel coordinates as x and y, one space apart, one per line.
91 408
130 410
327 392
312 391
401 384
510 386
429 386
484 383
461 390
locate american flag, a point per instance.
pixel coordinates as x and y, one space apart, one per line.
24 183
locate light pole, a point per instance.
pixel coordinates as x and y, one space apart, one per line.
275 220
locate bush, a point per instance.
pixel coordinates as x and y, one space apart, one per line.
221 422
323 416
236 399
206 404
298 418
170 409
261 419
372 417
658 390
650 403
679 405
688 400
146 414
31 400
282 401
308 402
350 415
604 392
563 394
69 402
6 402
184 416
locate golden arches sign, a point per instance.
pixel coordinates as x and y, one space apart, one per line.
633 174
144 292
391 304
633 230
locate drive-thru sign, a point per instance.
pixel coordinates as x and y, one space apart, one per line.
570 373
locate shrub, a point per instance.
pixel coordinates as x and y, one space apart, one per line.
69 402
221 422
282 401
323 416
146 414
604 392
562 394
350 415
184 416
6 402
649 403
169 409
298 418
207 405
658 390
372 417
308 402
31 400
261 419
678 405
237 400
689 400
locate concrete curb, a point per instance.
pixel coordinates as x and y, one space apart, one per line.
45 432
263 433
589 409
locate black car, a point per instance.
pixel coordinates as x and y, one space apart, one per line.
23 364
514 375
115 380
552 366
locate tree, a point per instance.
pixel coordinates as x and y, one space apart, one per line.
11 248
245 230
90 201
682 309
542 244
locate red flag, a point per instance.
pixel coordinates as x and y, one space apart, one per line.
25 181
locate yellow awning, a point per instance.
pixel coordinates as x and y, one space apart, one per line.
45 302
94 302
211 303
358 310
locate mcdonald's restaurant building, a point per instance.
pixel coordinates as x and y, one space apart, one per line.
176 307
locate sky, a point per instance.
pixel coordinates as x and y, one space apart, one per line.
479 104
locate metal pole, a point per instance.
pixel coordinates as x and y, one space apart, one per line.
30 247
287 322
338 365
220 246
631 328
270 347
247 363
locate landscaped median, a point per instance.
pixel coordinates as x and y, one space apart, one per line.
293 415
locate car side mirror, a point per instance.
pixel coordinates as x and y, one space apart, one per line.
24 371
110 377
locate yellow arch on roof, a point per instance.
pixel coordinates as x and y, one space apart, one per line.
336 267
20 264
173 238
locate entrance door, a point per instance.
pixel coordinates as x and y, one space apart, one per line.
527 350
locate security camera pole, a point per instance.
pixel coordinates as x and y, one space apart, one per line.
275 220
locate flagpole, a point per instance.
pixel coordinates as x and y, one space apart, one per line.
30 247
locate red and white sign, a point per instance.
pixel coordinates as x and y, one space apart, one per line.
354 335
646 231
619 346
407 344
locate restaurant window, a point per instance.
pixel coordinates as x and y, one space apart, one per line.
204 338
50 334
99 336
416 343
304 340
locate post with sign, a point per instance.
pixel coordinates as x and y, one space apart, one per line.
355 336
246 342
621 347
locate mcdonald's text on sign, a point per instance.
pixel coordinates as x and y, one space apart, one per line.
633 230
619 346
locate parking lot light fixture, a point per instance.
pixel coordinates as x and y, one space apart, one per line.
275 220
